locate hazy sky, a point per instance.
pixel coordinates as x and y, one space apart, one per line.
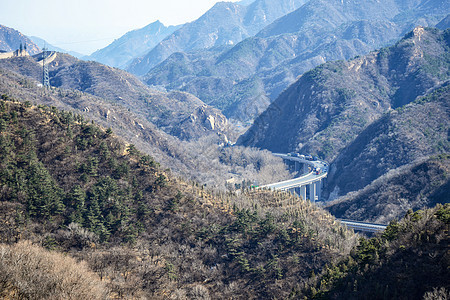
88 25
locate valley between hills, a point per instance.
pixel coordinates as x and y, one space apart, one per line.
136 173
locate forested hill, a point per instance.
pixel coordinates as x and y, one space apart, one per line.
408 261
399 162
72 187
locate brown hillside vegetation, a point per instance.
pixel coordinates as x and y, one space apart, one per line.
72 187
400 137
30 272
415 186
198 160
409 260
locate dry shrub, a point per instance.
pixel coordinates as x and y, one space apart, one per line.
30 272
437 294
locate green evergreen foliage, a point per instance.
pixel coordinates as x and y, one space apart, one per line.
404 262
71 187
89 194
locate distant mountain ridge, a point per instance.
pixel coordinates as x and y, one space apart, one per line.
11 39
225 23
133 44
380 119
50 47
329 106
259 68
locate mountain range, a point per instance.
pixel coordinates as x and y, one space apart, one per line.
361 114
92 193
330 105
225 24
248 76
177 128
133 44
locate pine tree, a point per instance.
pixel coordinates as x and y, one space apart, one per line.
76 201
44 196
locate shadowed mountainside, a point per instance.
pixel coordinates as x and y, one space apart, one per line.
329 106
254 72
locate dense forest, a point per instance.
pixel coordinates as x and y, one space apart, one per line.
73 187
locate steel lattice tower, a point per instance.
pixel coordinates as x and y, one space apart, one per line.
45 78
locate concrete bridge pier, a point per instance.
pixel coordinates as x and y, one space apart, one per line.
303 192
319 189
312 192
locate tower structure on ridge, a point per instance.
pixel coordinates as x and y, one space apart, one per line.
45 78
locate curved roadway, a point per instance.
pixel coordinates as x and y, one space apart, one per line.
311 177
306 179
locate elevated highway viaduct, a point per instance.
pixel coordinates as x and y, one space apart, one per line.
310 184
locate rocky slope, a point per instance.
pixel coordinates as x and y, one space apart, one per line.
125 110
259 68
166 110
224 24
400 137
329 106
10 40
133 44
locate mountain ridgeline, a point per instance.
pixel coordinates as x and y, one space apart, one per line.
376 118
11 39
244 79
330 105
178 129
133 44
117 86
224 24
